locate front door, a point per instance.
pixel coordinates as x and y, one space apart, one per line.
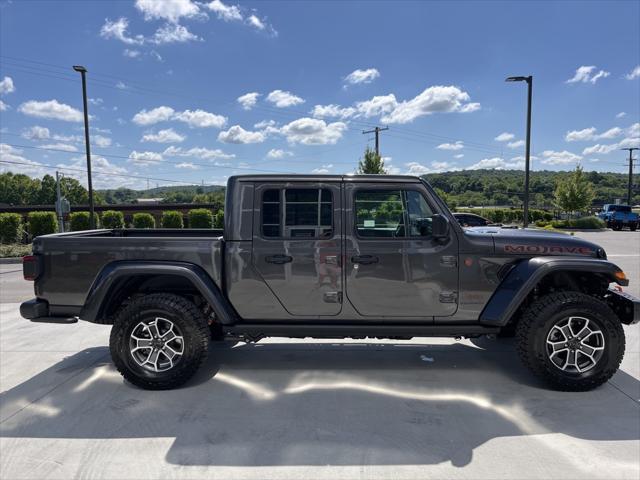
297 245
394 267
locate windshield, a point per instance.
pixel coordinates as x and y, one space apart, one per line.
619 208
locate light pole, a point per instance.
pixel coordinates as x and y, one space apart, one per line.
527 157
83 73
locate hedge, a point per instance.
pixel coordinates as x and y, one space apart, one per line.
10 228
112 219
508 215
42 223
218 219
80 221
172 219
200 218
143 220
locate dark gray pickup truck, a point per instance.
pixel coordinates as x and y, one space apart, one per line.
334 257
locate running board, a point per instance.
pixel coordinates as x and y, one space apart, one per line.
255 332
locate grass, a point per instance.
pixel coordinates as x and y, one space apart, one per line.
10 250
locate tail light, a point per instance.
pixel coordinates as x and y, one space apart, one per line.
30 267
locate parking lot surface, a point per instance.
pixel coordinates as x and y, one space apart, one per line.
426 408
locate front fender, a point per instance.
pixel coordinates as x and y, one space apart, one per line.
522 279
105 285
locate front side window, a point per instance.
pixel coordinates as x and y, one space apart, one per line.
307 213
392 214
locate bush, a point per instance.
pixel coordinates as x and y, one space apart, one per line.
172 219
587 223
14 250
218 219
42 223
112 219
80 221
10 228
143 220
200 218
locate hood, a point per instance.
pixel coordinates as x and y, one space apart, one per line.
532 242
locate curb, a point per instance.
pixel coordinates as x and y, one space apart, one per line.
9 260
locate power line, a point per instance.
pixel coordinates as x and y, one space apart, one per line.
377 131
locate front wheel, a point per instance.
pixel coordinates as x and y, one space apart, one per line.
633 227
159 341
571 340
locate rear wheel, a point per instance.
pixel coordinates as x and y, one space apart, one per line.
159 341
571 340
633 227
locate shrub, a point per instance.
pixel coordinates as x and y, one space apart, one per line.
14 250
42 223
10 228
200 218
143 220
80 221
172 219
218 219
588 223
112 219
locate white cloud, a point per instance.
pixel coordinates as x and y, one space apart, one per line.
159 114
23 165
459 145
278 153
201 119
591 134
634 130
131 53
265 124
505 137
256 22
621 114
282 99
600 149
551 157
237 134
170 10
378 105
635 73
417 169
164 136
197 152
112 176
248 100
332 110
611 133
145 158
120 85
362 76
225 12
6 86
312 131
36 133
323 170
586 74
51 109
4 106
60 146
516 144
459 155
101 141
497 163
118 30
434 99
188 165
96 101
172 33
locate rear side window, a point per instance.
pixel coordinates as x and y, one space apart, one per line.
297 213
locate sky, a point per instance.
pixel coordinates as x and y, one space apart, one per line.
182 91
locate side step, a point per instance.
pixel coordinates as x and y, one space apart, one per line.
255 332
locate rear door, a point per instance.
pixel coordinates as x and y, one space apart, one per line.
297 245
393 265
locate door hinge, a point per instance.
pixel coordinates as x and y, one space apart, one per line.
448 297
333 297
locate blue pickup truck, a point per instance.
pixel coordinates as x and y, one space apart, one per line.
618 217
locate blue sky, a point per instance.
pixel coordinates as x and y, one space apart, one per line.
186 91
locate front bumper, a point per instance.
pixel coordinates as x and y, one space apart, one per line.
626 306
37 310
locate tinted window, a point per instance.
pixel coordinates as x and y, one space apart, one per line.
386 213
307 213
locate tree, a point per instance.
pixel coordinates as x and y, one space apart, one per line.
574 193
371 163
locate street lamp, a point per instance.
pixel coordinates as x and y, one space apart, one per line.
527 159
83 72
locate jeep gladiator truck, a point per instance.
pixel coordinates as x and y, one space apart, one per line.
330 256
618 217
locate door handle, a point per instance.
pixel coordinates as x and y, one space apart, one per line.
364 259
278 259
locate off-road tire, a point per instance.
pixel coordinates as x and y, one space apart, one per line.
540 317
185 315
633 227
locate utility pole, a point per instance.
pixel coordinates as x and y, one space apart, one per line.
377 131
83 73
59 204
630 186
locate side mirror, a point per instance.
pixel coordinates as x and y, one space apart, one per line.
440 227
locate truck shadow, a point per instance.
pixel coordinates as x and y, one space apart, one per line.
318 404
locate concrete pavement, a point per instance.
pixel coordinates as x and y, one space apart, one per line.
428 408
